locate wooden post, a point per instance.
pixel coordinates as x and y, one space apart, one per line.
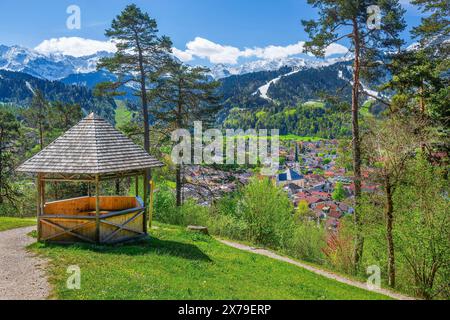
145 204
136 187
152 188
97 208
38 205
43 198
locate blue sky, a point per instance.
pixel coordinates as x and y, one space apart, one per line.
226 25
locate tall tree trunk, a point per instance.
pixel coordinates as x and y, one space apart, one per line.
41 136
55 187
178 177
422 112
359 241
117 183
422 99
1 167
180 125
389 212
148 173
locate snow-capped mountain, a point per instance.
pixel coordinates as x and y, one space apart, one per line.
59 66
220 71
50 67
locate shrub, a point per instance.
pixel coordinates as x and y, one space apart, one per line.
192 213
339 249
307 242
268 213
228 226
164 207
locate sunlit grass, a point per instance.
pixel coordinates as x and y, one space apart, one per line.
175 264
7 223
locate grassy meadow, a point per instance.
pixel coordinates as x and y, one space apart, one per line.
8 223
175 264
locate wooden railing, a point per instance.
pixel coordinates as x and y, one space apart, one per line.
115 226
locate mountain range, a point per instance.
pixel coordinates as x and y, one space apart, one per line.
50 67
272 87
59 66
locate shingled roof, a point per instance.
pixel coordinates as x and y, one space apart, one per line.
93 146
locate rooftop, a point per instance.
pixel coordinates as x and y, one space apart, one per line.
93 146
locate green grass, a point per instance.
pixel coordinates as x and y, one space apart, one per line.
294 137
314 104
7 223
287 137
175 264
123 115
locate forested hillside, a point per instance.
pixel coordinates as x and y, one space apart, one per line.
18 88
304 119
310 84
297 102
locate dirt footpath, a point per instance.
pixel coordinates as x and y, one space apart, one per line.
22 275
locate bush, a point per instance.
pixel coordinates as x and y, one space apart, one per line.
307 242
268 213
164 207
339 249
24 204
193 214
227 226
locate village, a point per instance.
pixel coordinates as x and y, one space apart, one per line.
319 189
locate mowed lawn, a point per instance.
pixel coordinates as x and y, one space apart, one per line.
175 264
7 223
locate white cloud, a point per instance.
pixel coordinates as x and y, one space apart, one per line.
335 48
275 52
197 48
74 46
217 53
182 55
214 52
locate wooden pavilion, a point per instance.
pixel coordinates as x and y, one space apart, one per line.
91 152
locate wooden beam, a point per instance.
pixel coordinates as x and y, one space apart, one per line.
119 175
43 198
150 209
123 225
38 205
67 217
136 186
66 180
97 208
146 187
67 230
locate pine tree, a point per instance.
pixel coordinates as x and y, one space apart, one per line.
184 95
349 19
65 115
420 75
140 53
435 26
37 116
10 134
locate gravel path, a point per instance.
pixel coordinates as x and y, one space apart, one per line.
321 272
22 275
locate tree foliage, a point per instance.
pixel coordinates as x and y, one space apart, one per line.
10 136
